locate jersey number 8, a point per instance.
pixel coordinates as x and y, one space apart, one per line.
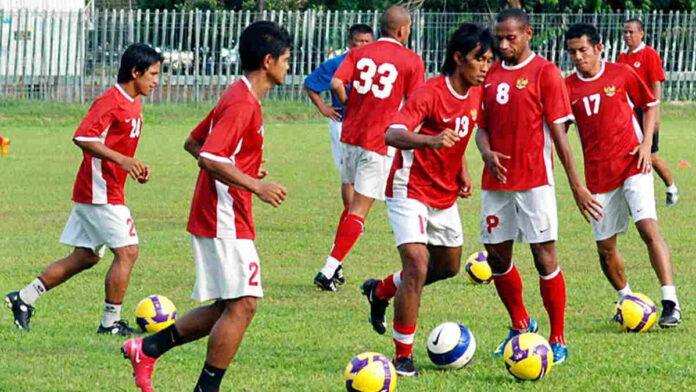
368 69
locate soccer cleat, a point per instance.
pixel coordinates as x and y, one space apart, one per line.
324 283
4 146
378 307
671 315
672 198
339 278
405 367
120 327
533 327
22 311
143 366
560 353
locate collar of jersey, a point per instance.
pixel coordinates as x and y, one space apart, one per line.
592 79
389 39
453 91
125 94
639 48
248 84
520 65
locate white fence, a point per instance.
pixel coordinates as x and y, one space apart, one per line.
74 56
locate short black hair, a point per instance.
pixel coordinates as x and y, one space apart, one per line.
637 21
138 56
579 30
513 13
260 39
467 37
359 28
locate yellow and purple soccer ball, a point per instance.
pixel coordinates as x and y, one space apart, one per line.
370 372
451 345
477 269
155 313
635 313
528 356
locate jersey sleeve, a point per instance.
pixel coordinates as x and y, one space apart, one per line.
655 71
98 119
554 96
345 70
641 95
320 80
417 78
227 133
414 111
200 132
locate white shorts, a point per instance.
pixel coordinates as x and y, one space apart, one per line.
98 226
415 222
528 215
366 170
225 269
636 197
336 145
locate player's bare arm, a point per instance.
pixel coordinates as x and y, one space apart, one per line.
657 92
405 140
643 150
339 89
325 110
491 158
589 207
193 147
269 192
466 186
136 169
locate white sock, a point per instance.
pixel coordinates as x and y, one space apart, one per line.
32 292
624 291
669 293
112 313
672 188
330 267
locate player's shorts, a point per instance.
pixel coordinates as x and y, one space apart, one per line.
98 226
415 222
528 216
336 145
225 268
366 170
656 135
636 197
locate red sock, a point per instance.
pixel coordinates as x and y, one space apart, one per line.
343 216
386 288
509 287
403 339
347 235
553 292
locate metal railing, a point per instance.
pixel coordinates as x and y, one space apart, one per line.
73 57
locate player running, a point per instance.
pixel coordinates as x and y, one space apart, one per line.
617 160
381 74
428 174
648 65
108 137
228 145
4 145
527 107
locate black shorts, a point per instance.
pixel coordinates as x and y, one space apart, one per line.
656 135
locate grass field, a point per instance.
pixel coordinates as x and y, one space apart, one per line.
301 338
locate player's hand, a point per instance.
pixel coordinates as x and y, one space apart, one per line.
445 139
589 207
644 159
330 112
466 185
492 160
262 172
272 193
145 177
133 167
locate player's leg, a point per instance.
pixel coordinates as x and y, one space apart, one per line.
613 265
662 169
115 287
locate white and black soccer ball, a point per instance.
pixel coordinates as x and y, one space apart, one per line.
451 345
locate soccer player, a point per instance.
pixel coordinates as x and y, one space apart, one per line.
4 145
527 108
108 137
428 174
320 81
648 64
617 159
228 145
382 75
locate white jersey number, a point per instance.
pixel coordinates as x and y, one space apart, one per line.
503 93
462 127
368 69
592 98
136 126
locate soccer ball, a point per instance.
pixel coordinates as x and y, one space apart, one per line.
155 313
635 313
370 372
451 345
528 356
477 269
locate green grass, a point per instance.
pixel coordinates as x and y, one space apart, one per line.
301 339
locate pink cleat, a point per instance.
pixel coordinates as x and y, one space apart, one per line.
143 366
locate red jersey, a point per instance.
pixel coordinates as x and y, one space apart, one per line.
115 119
232 133
381 74
608 128
520 101
432 175
646 62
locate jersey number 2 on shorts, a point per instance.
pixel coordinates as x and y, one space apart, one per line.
254 278
368 69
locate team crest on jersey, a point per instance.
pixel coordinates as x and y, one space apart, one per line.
610 91
636 64
473 113
522 83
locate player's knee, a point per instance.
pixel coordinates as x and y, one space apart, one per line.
606 252
127 254
86 257
451 271
246 307
415 270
